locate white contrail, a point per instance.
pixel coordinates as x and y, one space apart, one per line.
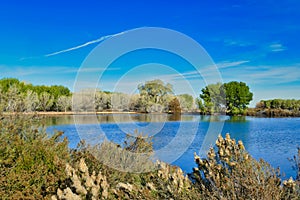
84 45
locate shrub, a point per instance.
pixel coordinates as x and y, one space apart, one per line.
31 163
36 166
229 172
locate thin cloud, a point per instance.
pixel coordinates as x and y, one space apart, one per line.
276 47
97 69
210 71
237 43
262 75
84 45
46 70
35 70
227 64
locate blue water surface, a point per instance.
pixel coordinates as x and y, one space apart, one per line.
272 139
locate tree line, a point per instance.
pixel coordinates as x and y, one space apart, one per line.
230 98
153 96
285 104
276 108
17 96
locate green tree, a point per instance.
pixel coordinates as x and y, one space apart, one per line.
186 102
213 98
200 105
154 95
6 83
232 97
238 96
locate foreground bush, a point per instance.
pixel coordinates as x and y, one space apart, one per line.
229 172
161 180
35 166
32 164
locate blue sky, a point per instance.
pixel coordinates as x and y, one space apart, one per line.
256 42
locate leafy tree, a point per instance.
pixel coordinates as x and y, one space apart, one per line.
238 96
268 104
59 90
155 90
186 102
200 105
287 104
232 97
19 96
6 83
154 95
213 97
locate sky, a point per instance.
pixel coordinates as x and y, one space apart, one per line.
257 42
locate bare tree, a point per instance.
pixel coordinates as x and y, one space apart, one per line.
46 101
64 103
31 101
120 101
84 100
14 99
102 101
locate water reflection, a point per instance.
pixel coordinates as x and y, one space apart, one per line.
213 118
119 118
115 118
239 119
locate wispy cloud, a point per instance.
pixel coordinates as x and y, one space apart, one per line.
97 69
276 47
238 43
17 71
227 64
264 75
209 71
84 45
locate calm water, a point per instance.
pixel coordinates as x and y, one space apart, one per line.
273 139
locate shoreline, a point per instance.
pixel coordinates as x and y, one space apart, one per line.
53 113
252 112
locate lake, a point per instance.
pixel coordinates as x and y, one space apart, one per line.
176 138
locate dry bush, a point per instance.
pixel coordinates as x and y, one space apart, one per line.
36 166
160 181
31 163
229 172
